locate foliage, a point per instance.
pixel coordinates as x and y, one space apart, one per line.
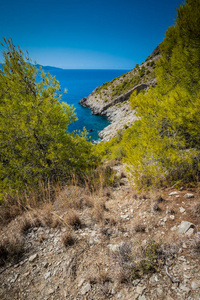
163 145
34 141
146 259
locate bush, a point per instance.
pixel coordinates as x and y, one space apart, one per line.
35 143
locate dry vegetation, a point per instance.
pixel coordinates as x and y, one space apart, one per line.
111 236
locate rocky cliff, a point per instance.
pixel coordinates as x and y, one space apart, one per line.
112 98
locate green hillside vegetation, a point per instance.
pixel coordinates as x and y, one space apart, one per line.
34 141
163 146
127 81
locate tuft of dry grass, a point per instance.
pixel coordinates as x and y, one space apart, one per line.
72 219
196 209
156 207
139 228
99 209
68 239
11 249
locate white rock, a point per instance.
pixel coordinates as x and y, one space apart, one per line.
184 288
173 228
140 289
195 284
188 195
190 232
85 289
173 193
172 217
184 226
33 257
182 210
47 275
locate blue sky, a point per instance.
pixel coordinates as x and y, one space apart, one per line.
87 34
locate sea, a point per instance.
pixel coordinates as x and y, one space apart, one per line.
79 84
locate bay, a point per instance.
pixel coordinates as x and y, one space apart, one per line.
79 84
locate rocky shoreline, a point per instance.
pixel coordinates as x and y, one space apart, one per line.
103 101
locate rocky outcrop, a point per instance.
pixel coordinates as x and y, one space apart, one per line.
112 98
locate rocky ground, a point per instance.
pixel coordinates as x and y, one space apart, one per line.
100 245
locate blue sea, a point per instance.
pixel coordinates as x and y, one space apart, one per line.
79 84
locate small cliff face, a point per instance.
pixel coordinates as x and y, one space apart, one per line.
112 98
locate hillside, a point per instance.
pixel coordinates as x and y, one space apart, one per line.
112 98
112 243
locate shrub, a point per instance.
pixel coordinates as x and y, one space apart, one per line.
35 143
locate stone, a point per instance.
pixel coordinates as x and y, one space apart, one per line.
113 247
140 289
190 232
184 288
173 228
81 282
113 292
195 284
33 257
182 210
184 227
142 297
47 275
136 282
172 217
45 264
173 194
85 289
188 195
50 291
159 291
119 296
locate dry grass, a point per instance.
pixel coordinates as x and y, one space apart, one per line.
196 209
11 249
68 239
99 209
139 228
17 204
72 219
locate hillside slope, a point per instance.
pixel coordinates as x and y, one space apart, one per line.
112 98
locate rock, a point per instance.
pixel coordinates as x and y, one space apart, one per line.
136 282
184 288
85 289
113 292
184 246
140 289
113 247
81 282
190 232
184 227
119 296
33 257
182 210
47 275
50 291
173 193
45 264
188 195
159 291
142 297
173 228
172 217
195 284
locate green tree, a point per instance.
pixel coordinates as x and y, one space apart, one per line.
165 144
34 140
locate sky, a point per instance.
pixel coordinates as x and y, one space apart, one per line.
87 34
